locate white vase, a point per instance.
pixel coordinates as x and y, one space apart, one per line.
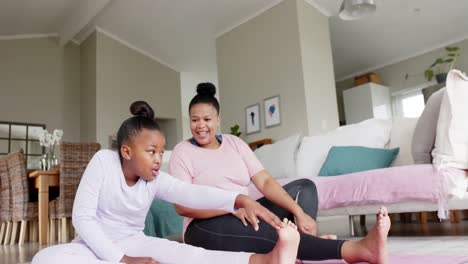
48 162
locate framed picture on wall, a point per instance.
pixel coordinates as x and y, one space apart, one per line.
272 114
252 118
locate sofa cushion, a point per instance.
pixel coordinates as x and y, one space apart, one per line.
345 160
424 135
279 158
400 137
372 133
162 220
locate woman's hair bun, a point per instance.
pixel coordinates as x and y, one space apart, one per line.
142 108
206 89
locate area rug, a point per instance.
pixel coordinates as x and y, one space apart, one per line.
406 260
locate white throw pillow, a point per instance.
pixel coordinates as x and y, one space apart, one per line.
372 133
425 131
451 147
279 158
401 137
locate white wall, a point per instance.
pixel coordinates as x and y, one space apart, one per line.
123 76
39 83
259 59
284 51
317 64
85 90
88 89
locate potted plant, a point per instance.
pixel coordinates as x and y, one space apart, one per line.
235 130
443 65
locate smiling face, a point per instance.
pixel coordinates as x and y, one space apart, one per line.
204 121
142 155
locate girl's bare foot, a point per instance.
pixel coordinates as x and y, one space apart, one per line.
285 251
372 248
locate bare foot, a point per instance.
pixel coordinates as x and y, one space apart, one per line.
285 251
372 248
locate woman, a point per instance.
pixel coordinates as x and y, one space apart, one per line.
226 162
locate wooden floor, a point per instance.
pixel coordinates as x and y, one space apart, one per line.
24 254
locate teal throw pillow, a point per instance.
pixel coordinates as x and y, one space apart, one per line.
345 160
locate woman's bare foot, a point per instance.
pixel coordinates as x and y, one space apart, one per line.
372 248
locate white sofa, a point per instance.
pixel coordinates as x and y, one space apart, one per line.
303 156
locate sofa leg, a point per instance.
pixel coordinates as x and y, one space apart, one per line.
362 220
423 217
455 216
351 225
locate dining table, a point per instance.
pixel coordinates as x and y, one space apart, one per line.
43 179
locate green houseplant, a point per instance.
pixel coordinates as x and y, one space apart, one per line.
443 65
235 130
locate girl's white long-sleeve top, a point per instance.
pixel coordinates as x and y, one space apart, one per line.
106 209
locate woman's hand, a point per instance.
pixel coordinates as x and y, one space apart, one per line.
138 260
306 224
253 210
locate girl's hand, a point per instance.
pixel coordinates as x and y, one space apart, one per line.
306 224
138 260
253 210
242 215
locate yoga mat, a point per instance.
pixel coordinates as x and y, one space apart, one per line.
406 260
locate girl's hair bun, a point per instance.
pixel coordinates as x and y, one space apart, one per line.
206 89
142 108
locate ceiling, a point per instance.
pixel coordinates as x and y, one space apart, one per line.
398 30
23 17
181 34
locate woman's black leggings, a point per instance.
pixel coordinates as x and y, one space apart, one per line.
228 233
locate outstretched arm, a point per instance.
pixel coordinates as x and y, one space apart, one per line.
182 169
198 213
205 197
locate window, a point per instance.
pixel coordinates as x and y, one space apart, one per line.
413 105
14 135
410 102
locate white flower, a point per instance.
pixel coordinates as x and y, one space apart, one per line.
49 140
57 136
43 138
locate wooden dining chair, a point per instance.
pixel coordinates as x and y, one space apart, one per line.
74 157
23 210
5 202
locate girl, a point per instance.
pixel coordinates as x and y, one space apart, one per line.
116 192
226 162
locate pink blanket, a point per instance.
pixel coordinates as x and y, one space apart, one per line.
382 186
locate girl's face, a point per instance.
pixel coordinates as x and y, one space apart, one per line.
204 121
144 154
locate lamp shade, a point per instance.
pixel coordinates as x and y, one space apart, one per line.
355 9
